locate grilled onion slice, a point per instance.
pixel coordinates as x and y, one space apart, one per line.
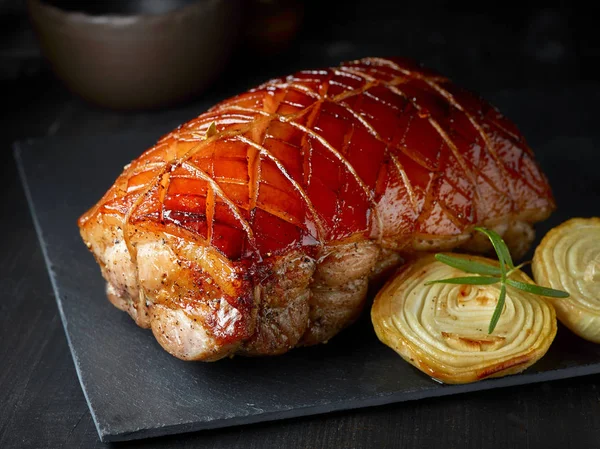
442 328
568 258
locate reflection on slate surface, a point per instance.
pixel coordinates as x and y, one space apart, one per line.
136 390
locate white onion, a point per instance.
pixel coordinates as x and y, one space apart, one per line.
568 258
442 329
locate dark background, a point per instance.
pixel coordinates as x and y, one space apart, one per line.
486 48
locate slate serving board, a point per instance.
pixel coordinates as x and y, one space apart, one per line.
137 390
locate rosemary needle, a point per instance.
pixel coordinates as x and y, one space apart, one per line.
490 274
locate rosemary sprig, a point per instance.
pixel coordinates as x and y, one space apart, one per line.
469 266
536 289
492 275
498 309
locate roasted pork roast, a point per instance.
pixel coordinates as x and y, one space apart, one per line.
258 226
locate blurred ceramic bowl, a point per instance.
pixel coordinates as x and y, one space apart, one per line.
134 54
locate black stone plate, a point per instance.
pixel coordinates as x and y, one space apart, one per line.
137 390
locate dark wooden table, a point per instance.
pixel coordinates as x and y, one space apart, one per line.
41 402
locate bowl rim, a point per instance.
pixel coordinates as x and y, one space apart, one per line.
123 19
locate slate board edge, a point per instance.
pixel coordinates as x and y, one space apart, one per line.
17 149
394 398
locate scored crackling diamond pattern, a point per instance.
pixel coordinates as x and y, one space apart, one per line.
380 147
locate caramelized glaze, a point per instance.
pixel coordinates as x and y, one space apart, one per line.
375 148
